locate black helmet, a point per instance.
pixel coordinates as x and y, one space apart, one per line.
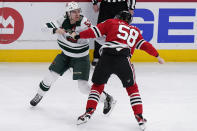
124 15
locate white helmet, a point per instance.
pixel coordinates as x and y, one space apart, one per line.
72 6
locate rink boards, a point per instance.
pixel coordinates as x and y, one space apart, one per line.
170 26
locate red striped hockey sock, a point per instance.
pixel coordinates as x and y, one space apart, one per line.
94 96
135 99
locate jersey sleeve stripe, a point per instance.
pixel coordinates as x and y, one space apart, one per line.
53 25
96 31
138 45
49 25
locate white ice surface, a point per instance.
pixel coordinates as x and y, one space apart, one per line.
169 94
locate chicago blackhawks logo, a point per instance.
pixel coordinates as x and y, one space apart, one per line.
11 25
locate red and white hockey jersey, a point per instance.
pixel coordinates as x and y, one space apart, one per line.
119 34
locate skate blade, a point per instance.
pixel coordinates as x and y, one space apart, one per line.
81 122
143 127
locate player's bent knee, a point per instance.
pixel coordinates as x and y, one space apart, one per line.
50 78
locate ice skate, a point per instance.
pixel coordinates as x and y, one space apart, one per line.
109 105
85 117
36 100
141 121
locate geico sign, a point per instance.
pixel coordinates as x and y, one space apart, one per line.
165 26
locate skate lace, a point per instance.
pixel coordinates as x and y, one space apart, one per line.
37 98
106 105
107 102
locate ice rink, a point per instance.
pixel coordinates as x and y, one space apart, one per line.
169 95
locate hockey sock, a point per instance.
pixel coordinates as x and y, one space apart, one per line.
43 88
46 83
94 96
135 99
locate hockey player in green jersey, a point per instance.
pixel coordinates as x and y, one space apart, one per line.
75 54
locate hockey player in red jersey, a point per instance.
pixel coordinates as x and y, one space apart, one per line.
121 41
